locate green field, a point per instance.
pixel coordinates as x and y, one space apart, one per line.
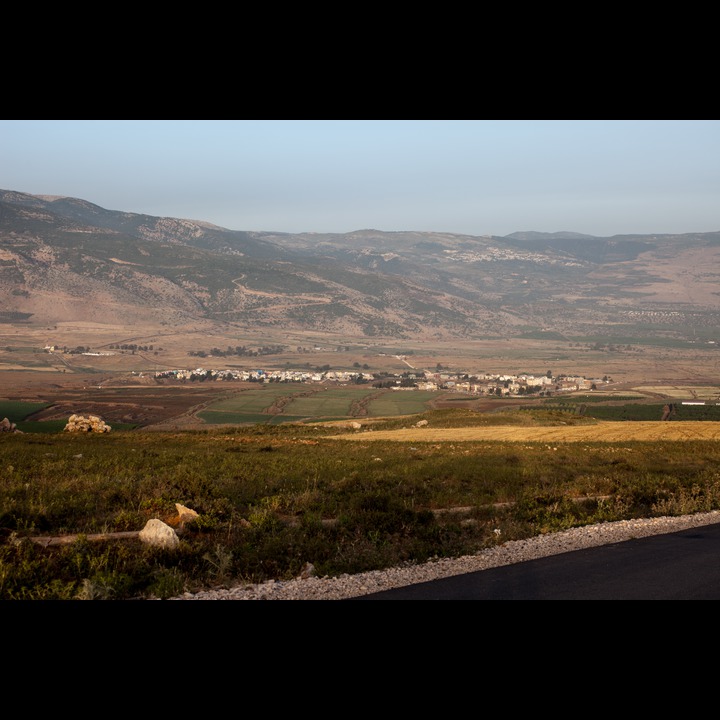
400 402
595 398
17 410
636 410
331 402
654 412
248 407
295 404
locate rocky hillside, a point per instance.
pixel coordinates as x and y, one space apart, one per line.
67 259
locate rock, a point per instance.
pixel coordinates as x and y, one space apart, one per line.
90 423
308 571
157 533
7 426
185 514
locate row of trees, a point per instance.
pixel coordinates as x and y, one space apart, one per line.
239 351
132 347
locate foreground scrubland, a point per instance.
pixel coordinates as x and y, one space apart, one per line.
271 499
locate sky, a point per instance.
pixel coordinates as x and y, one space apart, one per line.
470 177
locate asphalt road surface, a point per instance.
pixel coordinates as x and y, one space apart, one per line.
677 566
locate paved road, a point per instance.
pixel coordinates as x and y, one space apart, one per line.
677 566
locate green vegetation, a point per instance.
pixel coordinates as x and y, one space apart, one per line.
331 402
280 402
249 406
639 411
401 403
17 410
535 334
56 426
594 398
44 427
271 498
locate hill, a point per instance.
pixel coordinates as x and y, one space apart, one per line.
65 259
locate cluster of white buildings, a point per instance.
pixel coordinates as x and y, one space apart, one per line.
486 384
509 384
266 375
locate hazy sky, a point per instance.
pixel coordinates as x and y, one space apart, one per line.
475 177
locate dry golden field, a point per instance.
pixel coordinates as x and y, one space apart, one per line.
600 432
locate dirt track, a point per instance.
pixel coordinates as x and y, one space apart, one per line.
600 432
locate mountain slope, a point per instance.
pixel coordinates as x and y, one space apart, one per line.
68 259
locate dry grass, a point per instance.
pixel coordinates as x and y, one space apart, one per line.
599 432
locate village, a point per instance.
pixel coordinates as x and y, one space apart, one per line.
438 378
486 384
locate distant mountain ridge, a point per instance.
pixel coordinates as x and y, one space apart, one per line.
64 258
532 235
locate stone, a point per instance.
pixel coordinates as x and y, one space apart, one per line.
157 533
7 426
90 423
185 514
308 571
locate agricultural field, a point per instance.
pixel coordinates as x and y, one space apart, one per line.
707 393
600 432
20 408
283 403
402 403
273 403
42 408
197 405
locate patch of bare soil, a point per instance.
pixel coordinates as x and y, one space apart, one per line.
144 402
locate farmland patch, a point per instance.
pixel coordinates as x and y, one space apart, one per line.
602 431
401 402
686 392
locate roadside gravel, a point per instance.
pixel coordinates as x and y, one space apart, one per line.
349 586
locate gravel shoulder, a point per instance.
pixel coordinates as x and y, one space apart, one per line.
350 586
